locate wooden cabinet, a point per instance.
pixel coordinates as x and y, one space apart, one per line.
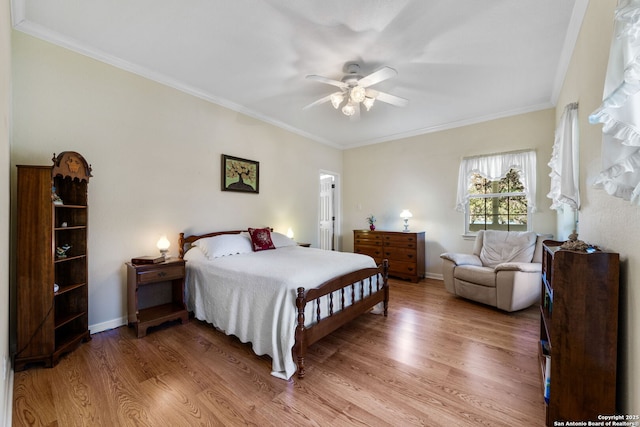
405 251
579 332
145 288
51 251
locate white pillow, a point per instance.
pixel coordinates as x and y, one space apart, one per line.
280 240
194 253
224 245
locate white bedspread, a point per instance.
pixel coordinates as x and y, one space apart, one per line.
252 296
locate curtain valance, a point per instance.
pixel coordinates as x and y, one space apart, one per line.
620 109
495 167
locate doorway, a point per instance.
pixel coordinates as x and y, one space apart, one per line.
327 213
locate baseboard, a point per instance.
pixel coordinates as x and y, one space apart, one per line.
105 326
434 276
6 407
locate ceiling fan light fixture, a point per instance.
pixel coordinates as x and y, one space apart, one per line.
368 102
349 109
336 100
358 94
355 90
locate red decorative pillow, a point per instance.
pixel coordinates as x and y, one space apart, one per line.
261 239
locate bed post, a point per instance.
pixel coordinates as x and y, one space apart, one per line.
181 246
300 347
385 284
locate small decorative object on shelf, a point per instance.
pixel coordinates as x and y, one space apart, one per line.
371 219
574 244
61 251
57 200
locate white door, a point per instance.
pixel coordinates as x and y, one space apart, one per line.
327 212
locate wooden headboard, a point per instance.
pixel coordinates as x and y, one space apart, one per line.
185 243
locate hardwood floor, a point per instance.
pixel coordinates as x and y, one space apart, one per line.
436 360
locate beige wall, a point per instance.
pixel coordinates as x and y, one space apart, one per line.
5 135
421 174
604 220
155 154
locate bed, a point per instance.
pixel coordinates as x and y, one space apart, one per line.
282 298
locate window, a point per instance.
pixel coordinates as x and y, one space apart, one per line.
497 191
497 205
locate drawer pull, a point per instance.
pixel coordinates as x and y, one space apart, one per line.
162 273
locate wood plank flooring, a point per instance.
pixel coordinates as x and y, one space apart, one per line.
436 360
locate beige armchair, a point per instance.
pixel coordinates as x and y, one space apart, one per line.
503 271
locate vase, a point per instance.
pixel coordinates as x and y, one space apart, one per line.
372 227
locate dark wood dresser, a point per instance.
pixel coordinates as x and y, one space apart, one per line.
405 251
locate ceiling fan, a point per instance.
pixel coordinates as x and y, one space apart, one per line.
355 90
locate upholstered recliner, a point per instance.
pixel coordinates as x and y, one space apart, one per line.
503 271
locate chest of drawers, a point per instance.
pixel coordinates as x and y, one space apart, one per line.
405 251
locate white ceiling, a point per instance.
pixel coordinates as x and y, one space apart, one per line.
458 62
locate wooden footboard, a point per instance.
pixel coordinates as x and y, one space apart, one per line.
366 288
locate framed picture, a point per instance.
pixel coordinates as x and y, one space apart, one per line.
240 174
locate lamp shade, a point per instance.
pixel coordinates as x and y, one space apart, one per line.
163 244
336 99
368 103
358 94
405 214
349 109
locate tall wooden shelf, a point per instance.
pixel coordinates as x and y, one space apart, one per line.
51 322
579 332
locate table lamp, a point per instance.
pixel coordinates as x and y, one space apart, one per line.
163 245
405 214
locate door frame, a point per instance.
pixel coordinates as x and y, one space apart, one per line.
337 208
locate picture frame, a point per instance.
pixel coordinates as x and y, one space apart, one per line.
241 175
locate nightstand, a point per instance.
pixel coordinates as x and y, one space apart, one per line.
146 285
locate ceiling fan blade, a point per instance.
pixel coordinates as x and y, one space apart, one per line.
328 81
319 101
388 98
383 73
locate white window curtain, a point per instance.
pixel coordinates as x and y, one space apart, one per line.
620 109
564 162
495 167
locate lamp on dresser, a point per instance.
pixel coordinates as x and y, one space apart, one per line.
405 215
